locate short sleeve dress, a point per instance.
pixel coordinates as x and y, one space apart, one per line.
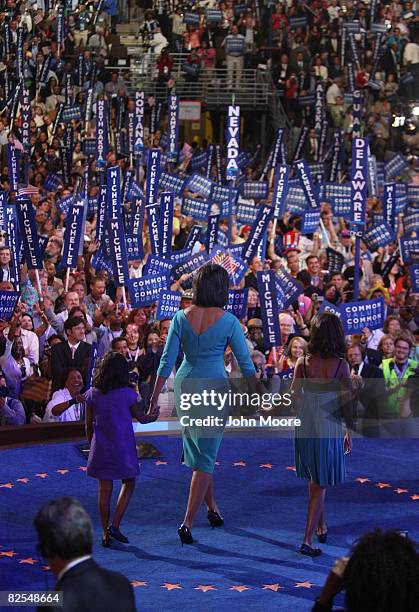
113 453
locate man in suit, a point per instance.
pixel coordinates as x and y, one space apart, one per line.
5 259
74 353
368 381
65 535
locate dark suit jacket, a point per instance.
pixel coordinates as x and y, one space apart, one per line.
371 396
87 587
61 360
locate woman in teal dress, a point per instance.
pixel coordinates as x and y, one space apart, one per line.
321 387
203 331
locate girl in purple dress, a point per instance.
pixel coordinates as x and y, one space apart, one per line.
110 407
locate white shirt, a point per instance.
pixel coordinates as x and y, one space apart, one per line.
332 93
72 564
30 343
411 53
73 413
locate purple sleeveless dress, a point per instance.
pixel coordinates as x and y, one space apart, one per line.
113 453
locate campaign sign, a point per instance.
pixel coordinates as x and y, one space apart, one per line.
8 302
27 226
257 232
168 304
134 247
192 263
306 180
257 190
269 307
280 190
146 290
289 287
101 262
378 235
311 220
73 233
335 260
171 182
408 245
414 278
199 184
153 176
198 209
118 249
246 213
411 222
157 265
237 302
357 315
359 180
331 308
233 133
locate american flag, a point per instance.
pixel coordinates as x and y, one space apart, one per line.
27 190
227 262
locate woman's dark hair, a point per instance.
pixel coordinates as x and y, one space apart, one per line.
210 286
382 574
26 314
77 309
112 373
66 373
326 336
335 299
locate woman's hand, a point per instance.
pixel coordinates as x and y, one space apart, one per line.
153 408
347 444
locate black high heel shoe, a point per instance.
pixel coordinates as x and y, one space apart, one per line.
106 541
215 520
185 535
305 549
114 533
322 537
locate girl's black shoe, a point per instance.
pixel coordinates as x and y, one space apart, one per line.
117 535
106 541
215 520
305 549
185 535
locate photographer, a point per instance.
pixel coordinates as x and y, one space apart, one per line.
11 410
381 575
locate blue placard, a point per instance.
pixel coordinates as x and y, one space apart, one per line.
269 307
237 302
146 290
414 278
378 235
71 112
198 209
408 245
311 220
232 139
246 213
306 181
331 308
8 302
258 190
190 264
172 182
199 184
168 304
259 228
288 287
395 166
359 180
358 315
411 222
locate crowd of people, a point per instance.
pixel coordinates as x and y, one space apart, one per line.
46 345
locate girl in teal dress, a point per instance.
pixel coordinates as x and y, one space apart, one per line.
321 387
203 331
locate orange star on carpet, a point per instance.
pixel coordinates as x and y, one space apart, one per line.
383 485
414 497
158 462
83 468
269 466
46 568
239 587
205 587
272 587
138 583
171 587
43 475
8 485
399 491
8 553
362 480
63 471
29 561
24 480
239 464
217 463
290 468
305 585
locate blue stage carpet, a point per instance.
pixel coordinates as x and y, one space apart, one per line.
253 562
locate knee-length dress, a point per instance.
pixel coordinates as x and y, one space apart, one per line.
113 452
203 368
319 452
